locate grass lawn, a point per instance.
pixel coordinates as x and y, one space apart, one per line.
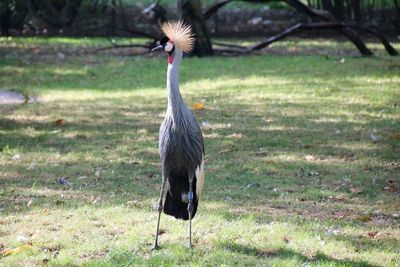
302 165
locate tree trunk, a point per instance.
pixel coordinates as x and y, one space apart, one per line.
327 5
356 4
113 21
397 6
192 14
5 18
339 9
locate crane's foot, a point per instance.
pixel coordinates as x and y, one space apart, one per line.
155 247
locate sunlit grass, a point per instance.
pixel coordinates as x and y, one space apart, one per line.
293 176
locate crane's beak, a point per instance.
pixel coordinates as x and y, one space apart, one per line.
159 47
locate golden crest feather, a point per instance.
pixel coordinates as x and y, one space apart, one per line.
180 34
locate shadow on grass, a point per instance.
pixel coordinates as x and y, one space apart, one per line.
133 166
226 254
283 253
120 136
364 243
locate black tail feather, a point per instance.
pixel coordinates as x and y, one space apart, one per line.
174 206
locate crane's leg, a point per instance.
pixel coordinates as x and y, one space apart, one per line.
190 206
160 208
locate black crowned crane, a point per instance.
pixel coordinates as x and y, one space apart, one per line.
181 144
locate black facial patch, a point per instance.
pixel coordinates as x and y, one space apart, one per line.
164 40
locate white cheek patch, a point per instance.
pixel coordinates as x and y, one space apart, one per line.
168 47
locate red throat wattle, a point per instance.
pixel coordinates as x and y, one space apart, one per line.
170 56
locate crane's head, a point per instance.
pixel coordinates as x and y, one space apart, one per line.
177 36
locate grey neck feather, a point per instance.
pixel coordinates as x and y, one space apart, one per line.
176 106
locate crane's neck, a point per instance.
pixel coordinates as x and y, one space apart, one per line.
176 106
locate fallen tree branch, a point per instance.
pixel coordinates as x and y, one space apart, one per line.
301 7
277 37
389 48
343 28
291 30
294 29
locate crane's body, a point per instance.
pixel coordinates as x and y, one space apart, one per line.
181 149
181 144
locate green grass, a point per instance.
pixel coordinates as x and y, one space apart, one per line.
288 150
